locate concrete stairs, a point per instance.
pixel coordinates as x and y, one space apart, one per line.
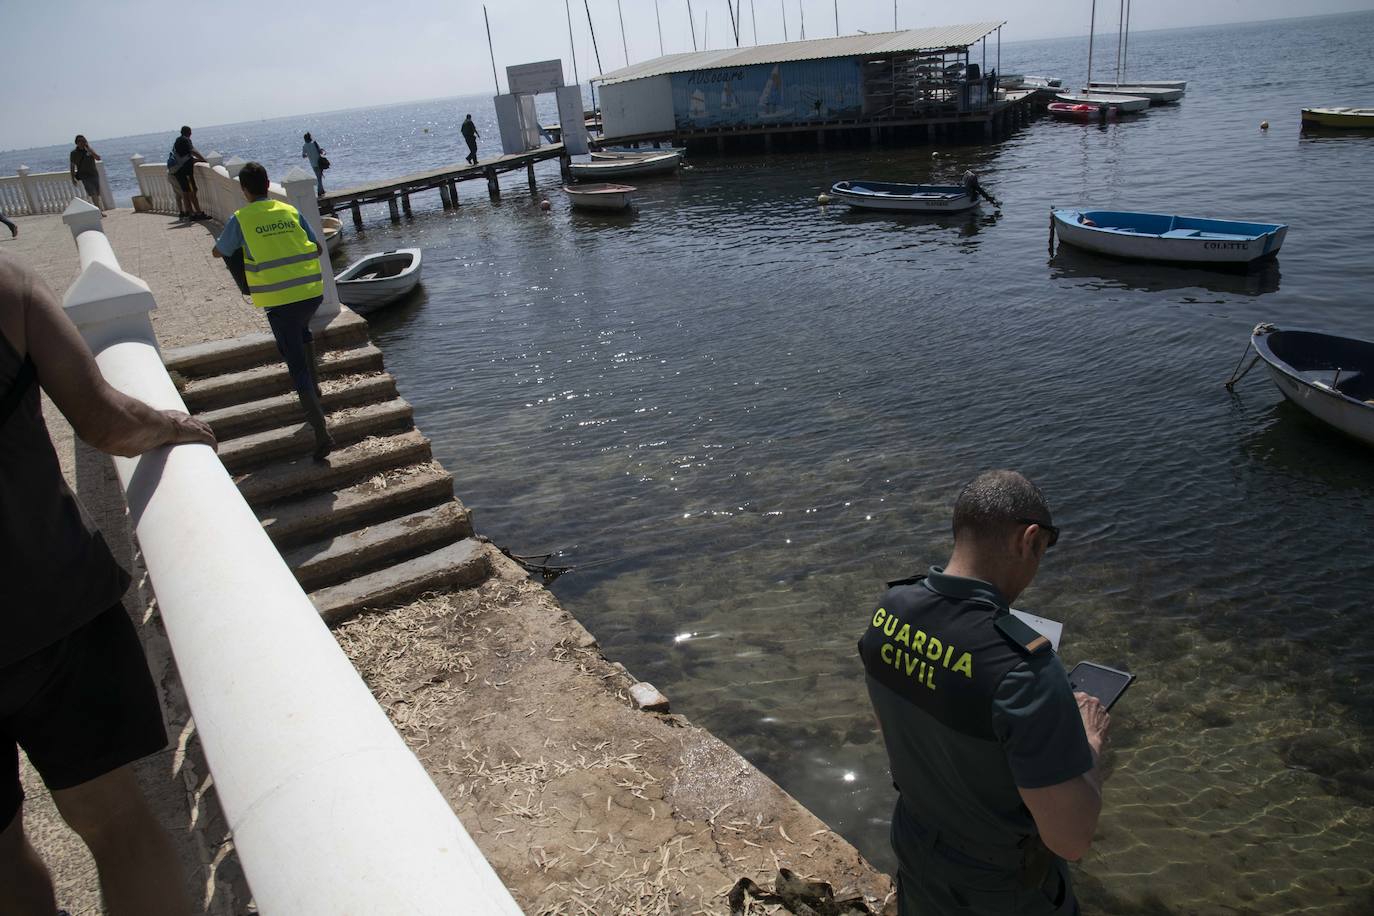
375 524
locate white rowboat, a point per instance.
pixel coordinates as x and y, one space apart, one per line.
621 168
1156 95
603 155
1104 100
1162 237
378 279
911 198
1329 376
599 196
333 232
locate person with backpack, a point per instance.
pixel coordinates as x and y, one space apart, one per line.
318 162
181 164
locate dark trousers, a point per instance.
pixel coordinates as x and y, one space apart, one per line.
291 327
14 230
472 149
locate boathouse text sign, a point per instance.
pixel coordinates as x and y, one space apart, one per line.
530 79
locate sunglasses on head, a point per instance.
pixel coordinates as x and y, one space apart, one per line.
1053 531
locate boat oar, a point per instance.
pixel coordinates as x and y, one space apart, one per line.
1051 229
992 200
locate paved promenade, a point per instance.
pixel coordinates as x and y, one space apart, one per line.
582 802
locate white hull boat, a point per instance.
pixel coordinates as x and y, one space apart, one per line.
1329 376
1104 100
1161 237
333 232
599 196
378 279
1180 85
908 198
605 155
1156 94
624 168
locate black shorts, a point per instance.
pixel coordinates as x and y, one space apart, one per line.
186 179
80 708
92 185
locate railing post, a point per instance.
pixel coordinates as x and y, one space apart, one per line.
137 160
81 217
106 195
213 159
30 198
300 191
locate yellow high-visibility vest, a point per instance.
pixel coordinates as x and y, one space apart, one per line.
280 261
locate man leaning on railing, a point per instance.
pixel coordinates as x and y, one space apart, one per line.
75 691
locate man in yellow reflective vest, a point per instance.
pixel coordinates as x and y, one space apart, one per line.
281 260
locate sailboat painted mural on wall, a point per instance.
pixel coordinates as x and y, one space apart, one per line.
790 92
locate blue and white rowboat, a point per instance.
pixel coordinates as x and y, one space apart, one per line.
916 198
1329 376
1161 237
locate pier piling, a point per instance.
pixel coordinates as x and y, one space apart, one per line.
357 212
493 186
405 204
529 173
391 205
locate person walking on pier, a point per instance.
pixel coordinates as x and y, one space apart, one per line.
318 162
75 690
14 230
281 259
470 134
183 169
995 759
84 171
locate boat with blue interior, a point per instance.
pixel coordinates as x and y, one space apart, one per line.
1163 237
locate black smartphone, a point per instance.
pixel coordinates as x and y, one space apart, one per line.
1107 684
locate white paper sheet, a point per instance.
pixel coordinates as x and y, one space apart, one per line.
1042 625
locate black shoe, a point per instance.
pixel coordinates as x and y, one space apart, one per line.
323 447
183 216
200 217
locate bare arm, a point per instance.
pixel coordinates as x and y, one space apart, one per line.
106 418
1066 814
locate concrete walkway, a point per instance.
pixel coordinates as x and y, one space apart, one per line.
583 802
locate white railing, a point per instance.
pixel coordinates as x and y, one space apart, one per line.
32 193
330 811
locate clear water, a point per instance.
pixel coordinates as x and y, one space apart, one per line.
738 413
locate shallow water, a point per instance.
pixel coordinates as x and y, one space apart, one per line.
738 413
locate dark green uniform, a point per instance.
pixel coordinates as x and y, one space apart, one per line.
973 703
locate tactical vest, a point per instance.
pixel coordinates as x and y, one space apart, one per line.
280 261
940 654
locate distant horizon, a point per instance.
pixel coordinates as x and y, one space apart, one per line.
487 94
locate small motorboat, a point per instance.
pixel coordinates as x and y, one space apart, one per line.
599 196
378 279
907 198
1344 118
638 166
333 232
1065 111
1329 376
620 152
1122 103
1158 95
1161 237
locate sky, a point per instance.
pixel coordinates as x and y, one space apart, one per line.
112 69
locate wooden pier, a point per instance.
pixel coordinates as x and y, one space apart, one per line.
396 192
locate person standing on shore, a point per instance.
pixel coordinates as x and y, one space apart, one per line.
84 171
75 690
282 263
470 134
995 759
183 169
312 152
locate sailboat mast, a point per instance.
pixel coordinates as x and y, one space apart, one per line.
754 22
591 28
783 5
1125 46
491 50
1092 27
659 17
692 21
1120 34
624 42
802 10
572 46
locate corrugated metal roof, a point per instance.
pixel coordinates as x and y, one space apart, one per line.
947 36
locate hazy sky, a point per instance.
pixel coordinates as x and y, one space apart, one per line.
121 67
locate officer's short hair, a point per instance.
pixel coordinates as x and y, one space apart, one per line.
254 177
994 503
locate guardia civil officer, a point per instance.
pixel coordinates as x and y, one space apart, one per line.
281 260
995 759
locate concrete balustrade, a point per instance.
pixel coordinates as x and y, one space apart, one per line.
330 811
30 193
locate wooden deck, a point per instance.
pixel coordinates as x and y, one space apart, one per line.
395 192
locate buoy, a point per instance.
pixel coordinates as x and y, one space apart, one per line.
1264 125
934 153
426 130
544 204
823 199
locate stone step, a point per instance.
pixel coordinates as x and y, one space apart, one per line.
462 564
265 381
343 467
346 427
221 356
283 409
348 556
384 496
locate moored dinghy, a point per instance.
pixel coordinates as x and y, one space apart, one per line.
1161 237
1329 376
1063 111
378 279
333 232
1122 103
1158 95
599 170
620 152
1343 118
911 198
599 196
